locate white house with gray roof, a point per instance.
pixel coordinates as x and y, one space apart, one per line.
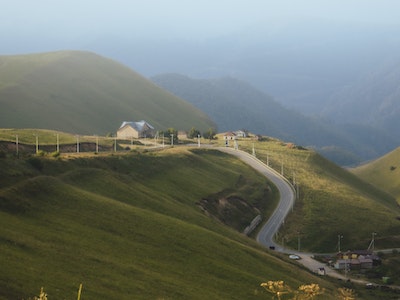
135 130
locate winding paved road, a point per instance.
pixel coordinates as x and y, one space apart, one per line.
287 198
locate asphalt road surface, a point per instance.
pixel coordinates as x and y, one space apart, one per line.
287 197
271 227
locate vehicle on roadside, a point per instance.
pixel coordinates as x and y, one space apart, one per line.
294 256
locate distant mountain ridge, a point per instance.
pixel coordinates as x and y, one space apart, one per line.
235 104
82 92
374 99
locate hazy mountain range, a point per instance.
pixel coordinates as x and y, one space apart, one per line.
235 104
88 94
374 100
346 74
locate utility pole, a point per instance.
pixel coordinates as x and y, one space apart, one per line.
16 144
172 140
58 143
298 241
339 239
372 244
77 144
37 143
198 140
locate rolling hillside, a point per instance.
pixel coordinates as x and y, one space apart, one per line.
167 224
383 173
81 92
130 227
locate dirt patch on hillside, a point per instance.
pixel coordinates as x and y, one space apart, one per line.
231 210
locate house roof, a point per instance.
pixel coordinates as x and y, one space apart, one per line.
230 133
136 125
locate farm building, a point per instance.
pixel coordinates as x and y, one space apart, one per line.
135 130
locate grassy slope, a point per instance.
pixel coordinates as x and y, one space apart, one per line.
383 172
332 201
128 227
83 92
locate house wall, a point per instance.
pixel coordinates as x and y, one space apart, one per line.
147 131
127 132
182 135
229 137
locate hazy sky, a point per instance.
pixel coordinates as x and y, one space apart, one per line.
183 18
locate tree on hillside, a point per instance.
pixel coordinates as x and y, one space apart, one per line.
193 133
171 132
209 134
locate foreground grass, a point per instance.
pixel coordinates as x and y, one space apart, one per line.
129 227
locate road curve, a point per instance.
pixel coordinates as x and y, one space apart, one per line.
287 197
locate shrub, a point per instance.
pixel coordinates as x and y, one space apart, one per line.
41 153
55 154
36 163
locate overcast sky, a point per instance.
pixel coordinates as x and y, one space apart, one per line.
182 18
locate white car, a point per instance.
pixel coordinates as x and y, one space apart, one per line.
294 256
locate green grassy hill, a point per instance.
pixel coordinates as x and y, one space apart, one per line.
383 173
166 224
81 92
131 227
332 201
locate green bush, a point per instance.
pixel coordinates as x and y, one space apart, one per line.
36 163
41 153
55 154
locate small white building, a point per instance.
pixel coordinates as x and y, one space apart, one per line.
135 130
241 133
230 136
